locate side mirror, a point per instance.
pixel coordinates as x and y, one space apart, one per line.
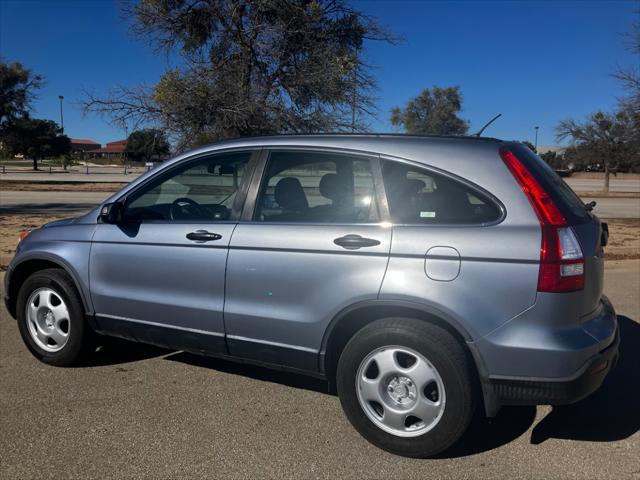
111 212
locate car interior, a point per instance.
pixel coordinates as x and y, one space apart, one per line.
203 192
305 190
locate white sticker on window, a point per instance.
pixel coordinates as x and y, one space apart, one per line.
427 214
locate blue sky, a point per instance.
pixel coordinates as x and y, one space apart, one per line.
535 62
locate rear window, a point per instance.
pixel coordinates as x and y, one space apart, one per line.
569 203
420 196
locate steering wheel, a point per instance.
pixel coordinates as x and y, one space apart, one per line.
184 208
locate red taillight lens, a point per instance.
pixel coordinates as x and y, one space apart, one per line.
561 258
561 261
540 200
23 235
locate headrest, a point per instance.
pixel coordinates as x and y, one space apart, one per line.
414 185
334 187
290 195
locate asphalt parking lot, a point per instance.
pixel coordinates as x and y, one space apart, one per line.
138 411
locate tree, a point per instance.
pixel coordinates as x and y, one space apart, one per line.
17 91
250 68
147 144
610 139
34 138
433 112
630 76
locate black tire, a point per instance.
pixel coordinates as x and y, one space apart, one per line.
443 351
80 342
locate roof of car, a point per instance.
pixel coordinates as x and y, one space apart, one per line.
360 136
355 141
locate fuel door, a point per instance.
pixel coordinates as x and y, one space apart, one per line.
442 264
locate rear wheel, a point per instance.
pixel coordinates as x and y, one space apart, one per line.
406 386
51 318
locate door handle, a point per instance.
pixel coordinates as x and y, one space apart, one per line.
353 242
203 236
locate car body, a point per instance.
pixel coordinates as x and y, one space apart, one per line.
320 236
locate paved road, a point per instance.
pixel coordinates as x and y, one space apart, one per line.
616 207
49 202
62 202
116 174
143 412
617 184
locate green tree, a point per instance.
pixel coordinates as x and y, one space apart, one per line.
433 112
17 91
147 144
34 138
608 139
250 68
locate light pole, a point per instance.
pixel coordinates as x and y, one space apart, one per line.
535 145
61 117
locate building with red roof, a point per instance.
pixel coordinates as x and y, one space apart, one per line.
112 149
82 145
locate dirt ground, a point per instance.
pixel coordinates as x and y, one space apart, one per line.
16 186
624 240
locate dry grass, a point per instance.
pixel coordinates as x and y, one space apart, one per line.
624 239
19 186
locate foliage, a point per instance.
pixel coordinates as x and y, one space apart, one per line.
147 144
17 91
607 139
251 67
34 138
530 145
554 160
433 112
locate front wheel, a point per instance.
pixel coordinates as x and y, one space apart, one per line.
51 318
406 386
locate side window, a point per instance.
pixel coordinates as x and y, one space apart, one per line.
317 188
417 195
199 191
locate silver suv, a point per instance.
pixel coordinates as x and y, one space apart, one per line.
421 276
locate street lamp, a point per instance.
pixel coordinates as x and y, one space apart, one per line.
535 145
61 118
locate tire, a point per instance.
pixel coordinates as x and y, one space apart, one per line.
48 305
419 398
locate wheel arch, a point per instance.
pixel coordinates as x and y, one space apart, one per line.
22 270
351 319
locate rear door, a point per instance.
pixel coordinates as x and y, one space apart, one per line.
311 244
158 276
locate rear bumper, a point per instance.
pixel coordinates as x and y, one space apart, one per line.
559 391
545 357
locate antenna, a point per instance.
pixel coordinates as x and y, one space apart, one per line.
487 124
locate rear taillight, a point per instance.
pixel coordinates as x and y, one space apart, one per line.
561 258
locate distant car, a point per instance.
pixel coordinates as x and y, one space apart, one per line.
422 276
564 172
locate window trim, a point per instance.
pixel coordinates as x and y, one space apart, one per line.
165 173
260 172
467 183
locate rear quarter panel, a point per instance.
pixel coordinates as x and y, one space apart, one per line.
498 263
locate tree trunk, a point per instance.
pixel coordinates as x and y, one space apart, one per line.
35 163
606 177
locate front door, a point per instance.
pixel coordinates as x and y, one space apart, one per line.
312 246
158 276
